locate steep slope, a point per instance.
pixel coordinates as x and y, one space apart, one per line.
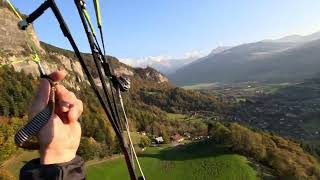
11 39
140 76
261 61
14 48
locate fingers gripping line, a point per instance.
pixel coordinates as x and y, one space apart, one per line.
38 121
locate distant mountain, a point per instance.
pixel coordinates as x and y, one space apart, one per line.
164 64
168 65
291 58
298 38
219 50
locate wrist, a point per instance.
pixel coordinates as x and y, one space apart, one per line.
55 156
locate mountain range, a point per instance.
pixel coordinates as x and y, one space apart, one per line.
291 58
168 65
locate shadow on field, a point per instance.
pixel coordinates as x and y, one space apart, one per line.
195 150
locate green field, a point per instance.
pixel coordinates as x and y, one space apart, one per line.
183 117
312 124
192 161
199 86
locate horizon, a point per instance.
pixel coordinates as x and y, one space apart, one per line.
141 30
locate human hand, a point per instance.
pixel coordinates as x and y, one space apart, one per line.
59 139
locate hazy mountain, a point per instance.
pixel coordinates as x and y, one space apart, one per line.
168 65
298 38
219 50
291 58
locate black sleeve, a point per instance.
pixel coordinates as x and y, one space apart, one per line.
72 170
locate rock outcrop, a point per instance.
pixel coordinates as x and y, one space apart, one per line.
13 40
15 51
14 48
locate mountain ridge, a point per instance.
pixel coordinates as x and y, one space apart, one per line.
258 61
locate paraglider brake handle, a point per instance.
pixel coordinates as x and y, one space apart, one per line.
38 121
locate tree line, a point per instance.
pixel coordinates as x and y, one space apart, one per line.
287 158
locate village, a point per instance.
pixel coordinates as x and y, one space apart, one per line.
285 119
174 140
287 111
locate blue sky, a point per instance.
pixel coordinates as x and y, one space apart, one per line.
140 28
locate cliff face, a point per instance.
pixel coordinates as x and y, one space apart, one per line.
14 48
13 40
151 74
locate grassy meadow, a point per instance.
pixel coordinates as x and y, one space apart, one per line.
191 161
183 117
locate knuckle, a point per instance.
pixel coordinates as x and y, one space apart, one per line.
80 105
60 87
72 94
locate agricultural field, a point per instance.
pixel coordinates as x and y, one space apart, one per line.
191 161
183 117
200 86
312 124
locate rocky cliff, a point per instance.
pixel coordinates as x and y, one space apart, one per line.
14 48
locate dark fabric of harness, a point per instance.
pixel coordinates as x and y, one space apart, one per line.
72 170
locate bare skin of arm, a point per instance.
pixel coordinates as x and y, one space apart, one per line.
59 139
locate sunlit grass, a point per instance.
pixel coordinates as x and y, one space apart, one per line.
187 162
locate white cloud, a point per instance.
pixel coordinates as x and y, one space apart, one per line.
163 59
164 63
145 61
195 54
128 61
156 58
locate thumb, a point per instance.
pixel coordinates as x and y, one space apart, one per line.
41 98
